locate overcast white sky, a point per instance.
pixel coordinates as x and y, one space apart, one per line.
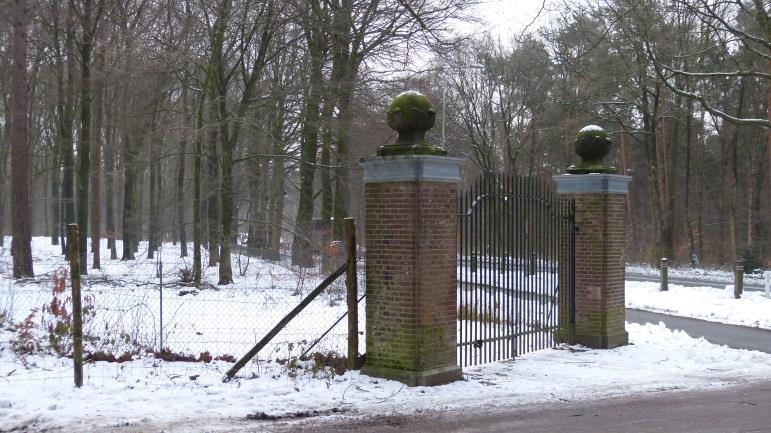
507 17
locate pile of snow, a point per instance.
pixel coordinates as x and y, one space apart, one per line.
707 303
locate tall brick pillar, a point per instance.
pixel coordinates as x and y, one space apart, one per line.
600 242
411 230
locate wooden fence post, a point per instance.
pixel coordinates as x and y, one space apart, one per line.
351 284
77 319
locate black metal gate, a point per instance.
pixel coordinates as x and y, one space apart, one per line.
516 255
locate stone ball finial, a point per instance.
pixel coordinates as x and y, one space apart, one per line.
592 145
411 114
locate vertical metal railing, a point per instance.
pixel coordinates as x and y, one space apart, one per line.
513 232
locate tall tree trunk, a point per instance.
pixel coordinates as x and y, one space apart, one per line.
226 188
109 168
213 198
734 179
198 161
20 245
5 134
96 167
301 247
663 169
53 180
325 178
84 140
180 186
766 249
153 214
753 192
129 188
342 179
276 203
650 143
687 194
65 94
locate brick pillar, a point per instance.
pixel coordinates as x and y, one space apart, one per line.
600 246
411 232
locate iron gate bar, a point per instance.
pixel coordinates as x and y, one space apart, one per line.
512 230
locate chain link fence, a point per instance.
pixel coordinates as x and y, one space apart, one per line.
147 308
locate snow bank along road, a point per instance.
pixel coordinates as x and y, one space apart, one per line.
745 409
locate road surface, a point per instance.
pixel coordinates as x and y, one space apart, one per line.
738 337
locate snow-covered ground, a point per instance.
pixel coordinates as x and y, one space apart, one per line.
126 312
37 392
148 391
707 303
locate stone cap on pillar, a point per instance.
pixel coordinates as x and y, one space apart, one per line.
592 183
410 168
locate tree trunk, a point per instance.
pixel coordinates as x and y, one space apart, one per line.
198 161
84 140
20 245
301 247
325 178
96 167
342 203
180 196
687 194
109 167
53 180
212 201
734 179
65 94
153 222
4 149
276 203
129 188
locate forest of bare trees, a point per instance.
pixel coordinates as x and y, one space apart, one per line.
219 121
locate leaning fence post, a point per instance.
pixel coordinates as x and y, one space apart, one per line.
351 284
739 279
664 275
77 321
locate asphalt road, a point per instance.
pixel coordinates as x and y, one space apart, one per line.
738 337
743 409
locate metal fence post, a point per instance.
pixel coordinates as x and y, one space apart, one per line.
664 275
739 279
767 278
77 319
351 284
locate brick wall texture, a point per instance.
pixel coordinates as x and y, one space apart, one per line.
599 277
411 239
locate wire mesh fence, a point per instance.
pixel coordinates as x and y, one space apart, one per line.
147 308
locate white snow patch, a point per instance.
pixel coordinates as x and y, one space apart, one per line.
707 303
593 128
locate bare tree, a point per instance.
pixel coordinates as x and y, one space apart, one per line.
19 105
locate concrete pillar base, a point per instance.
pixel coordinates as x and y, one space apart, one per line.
603 341
433 377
